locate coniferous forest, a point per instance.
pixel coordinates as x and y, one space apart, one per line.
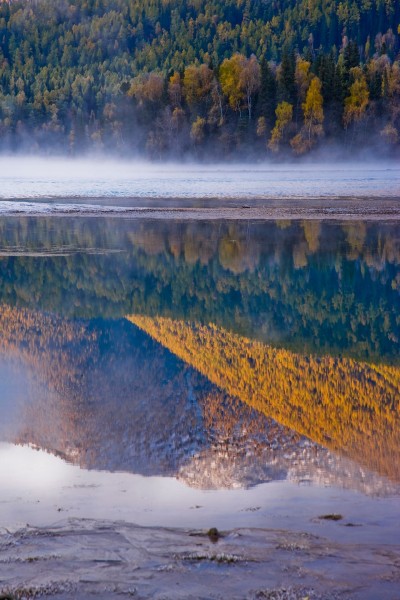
200 78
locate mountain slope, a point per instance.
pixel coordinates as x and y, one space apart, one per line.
169 34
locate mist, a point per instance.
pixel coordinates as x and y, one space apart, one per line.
117 181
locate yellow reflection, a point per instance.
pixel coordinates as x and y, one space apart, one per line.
348 406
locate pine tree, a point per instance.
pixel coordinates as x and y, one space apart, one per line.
286 79
266 102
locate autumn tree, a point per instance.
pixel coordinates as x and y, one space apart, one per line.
391 93
197 132
302 78
250 79
356 103
229 77
216 113
147 88
261 127
313 119
175 90
240 80
284 116
197 84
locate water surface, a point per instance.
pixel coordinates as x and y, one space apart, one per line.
118 181
215 357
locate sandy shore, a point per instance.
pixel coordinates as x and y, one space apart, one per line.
85 558
372 209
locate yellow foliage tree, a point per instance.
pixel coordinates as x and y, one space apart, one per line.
240 79
175 90
355 105
261 127
229 77
147 88
302 77
284 116
197 131
197 83
313 119
391 91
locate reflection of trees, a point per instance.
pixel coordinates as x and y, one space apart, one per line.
300 255
312 233
197 245
237 252
348 406
356 234
328 287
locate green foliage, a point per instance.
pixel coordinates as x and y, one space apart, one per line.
95 73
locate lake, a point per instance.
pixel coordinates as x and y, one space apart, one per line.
202 372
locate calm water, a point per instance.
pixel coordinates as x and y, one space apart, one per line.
210 358
223 354
116 182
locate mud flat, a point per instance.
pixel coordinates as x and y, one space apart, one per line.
192 209
83 558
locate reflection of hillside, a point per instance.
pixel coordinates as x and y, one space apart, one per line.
109 397
350 407
246 448
104 395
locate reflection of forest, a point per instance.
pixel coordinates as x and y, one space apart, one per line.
105 395
351 407
329 288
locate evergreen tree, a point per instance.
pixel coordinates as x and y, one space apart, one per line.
286 79
266 102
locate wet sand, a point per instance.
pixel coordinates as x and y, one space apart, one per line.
372 209
85 558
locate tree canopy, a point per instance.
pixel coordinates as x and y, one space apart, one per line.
196 76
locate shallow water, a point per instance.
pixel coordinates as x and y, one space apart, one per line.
206 373
38 179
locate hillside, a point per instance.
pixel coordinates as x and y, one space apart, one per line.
197 77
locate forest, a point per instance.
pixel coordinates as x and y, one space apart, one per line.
200 78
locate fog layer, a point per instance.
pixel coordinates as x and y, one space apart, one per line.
30 178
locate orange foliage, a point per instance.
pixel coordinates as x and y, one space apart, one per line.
348 406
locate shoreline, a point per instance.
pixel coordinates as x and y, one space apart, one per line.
67 533
192 209
76 558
